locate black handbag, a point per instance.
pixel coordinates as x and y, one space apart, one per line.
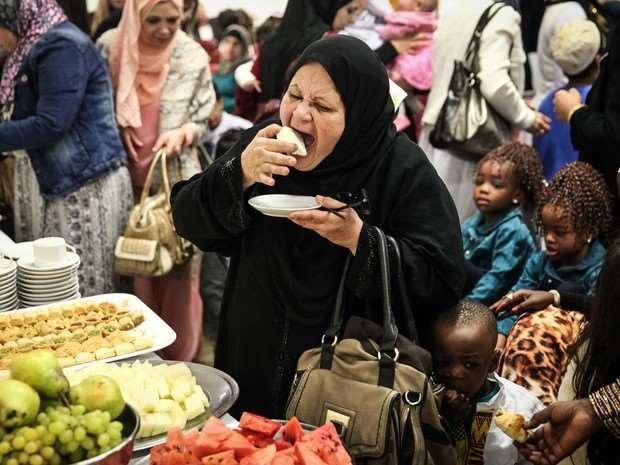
466 122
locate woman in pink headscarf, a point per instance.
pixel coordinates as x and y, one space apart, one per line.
164 96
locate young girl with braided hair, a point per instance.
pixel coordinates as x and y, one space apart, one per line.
575 210
497 240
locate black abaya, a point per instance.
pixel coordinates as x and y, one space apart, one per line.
283 278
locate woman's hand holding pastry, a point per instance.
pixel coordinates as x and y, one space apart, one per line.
265 157
342 229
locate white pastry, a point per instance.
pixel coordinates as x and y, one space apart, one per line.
287 134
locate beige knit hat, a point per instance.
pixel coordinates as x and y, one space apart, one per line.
574 46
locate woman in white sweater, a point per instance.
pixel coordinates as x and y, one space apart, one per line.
501 79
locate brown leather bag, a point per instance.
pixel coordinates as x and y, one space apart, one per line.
382 401
150 246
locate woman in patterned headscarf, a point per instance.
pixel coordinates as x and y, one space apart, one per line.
164 96
58 125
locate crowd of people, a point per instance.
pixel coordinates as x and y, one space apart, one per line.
510 257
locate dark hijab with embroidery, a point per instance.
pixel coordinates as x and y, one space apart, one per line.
29 20
304 22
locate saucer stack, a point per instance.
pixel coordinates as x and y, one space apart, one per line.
41 285
8 285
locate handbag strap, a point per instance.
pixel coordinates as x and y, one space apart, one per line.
159 158
474 44
405 302
387 353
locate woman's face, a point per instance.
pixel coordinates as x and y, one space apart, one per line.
117 4
160 25
347 14
230 48
312 106
8 41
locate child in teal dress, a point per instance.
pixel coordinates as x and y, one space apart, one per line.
497 240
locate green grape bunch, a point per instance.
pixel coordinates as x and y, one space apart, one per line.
60 435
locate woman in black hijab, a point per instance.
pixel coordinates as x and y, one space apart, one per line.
304 22
284 273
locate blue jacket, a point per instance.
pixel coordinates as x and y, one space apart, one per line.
555 148
64 113
541 274
501 249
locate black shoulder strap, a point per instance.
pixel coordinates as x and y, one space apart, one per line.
487 16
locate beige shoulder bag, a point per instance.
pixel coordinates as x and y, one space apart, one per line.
150 246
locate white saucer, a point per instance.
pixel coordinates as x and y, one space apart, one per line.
26 264
8 302
7 266
281 205
9 308
47 295
44 276
27 303
48 287
9 278
4 288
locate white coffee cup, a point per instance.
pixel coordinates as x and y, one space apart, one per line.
49 251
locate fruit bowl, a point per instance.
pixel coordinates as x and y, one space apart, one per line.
121 454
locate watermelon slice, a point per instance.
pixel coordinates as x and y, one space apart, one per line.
239 444
257 440
281 444
223 458
285 459
306 456
326 442
262 456
292 431
258 424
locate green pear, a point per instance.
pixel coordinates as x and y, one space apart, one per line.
98 392
41 370
19 404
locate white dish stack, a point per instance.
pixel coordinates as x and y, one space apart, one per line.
8 285
49 274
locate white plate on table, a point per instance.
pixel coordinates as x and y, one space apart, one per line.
9 305
7 285
153 326
49 301
7 267
7 278
59 288
46 281
43 286
26 265
281 205
44 297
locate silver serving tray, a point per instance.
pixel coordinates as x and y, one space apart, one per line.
221 389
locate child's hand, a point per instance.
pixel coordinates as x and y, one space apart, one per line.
455 405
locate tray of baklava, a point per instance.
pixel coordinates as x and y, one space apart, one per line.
104 327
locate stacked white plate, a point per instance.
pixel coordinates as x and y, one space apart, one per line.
8 285
45 285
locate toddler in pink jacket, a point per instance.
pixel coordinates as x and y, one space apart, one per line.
413 16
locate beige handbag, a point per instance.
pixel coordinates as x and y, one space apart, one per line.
150 246
375 387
